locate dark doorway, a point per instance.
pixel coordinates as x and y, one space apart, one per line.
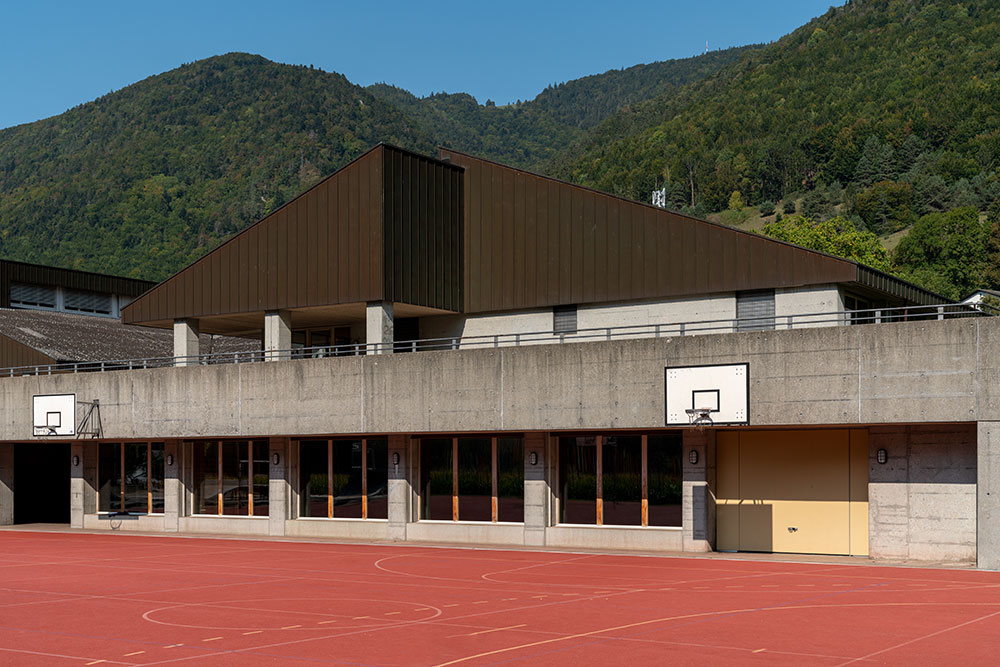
41 482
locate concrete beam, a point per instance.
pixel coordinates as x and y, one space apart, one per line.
77 484
400 490
988 496
277 496
379 318
537 492
277 335
6 484
186 342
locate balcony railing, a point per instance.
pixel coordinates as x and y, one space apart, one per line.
663 330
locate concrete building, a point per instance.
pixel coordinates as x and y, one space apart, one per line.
533 326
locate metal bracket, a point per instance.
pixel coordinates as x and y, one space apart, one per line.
92 420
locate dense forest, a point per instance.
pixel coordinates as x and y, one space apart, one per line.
144 180
883 112
875 124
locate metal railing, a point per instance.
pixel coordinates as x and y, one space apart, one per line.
665 330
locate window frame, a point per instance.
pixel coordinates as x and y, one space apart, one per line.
365 501
148 444
219 480
600 439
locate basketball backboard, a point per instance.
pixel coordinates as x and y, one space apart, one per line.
54 415
721 391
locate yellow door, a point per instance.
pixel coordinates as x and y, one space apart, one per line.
793 491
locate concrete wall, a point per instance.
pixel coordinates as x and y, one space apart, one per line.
933 371
812 299
634 313
922 501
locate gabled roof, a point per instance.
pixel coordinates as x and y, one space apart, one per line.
533 241
33 337
384 227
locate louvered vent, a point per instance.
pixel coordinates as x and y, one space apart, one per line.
564 319
755 310
87 302
32 296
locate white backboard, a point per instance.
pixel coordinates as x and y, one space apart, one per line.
723 388
54 415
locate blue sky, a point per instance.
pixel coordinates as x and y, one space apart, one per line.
56 55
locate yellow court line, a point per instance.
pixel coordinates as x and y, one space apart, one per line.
212 639
391 613
325 622
173 645
133 653
289 627
95 662
759 650
253 632
358 618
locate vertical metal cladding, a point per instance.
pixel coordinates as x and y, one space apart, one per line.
533 241
323 247
423 230
14 354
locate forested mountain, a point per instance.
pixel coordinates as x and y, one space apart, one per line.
881 110
144 180
531 132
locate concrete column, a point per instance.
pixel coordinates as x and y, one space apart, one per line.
380 330
278 488
186 343
173 500
400 490
89 465
277 335
698 497
6 484
77 482
988 496
537 493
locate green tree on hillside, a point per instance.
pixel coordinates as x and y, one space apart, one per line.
946 252
836 236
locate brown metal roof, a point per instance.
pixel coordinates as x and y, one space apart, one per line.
32 337
386 227
534 241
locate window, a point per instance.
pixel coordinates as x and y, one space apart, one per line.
231 477
853 303
564 319
32 296
755 310
472 479
130 477
620 480
87 302
311 343
344 479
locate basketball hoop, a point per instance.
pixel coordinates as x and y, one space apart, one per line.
700 416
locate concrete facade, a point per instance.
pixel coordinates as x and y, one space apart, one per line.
922 501
380 328
277 335
817 299
908 384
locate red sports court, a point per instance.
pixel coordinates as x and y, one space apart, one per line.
87 599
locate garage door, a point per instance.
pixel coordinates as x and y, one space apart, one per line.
793 491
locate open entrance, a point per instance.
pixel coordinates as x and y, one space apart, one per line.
41 482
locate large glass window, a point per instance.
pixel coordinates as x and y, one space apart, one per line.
230 477
130 477
621 475
336 482
436 483
510 479
489 485
475 479
665 479
604 480
578 480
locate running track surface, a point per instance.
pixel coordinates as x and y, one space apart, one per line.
85 599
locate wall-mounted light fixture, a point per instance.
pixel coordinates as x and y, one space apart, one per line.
170 459
693 457
882 456
275 459
76 460
533 458
395 458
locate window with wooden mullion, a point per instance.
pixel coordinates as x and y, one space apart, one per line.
130 477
